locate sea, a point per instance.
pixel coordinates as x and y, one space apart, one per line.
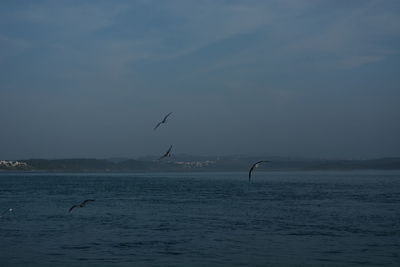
349 218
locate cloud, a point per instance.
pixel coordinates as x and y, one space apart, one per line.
353 37
356 61
68 17
105 36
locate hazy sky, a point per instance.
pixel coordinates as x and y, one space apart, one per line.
287 78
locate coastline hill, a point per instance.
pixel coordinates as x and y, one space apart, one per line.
181 163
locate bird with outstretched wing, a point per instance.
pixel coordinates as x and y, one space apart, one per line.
167 154
255 165
162 121
81 205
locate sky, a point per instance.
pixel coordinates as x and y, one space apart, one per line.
304 78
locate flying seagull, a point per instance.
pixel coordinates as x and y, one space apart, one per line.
167 154
83 204
255 165
4 212
163 120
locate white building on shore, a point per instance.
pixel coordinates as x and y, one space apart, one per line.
12 164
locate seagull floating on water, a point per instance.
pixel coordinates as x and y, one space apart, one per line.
167 154
255 165
163 120
6 211
83 204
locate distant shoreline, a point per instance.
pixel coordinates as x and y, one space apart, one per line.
226 164
189 171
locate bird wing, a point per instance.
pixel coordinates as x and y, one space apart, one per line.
158 124
87 200
165 118
74 206
166 153
251 170
254 166
250 174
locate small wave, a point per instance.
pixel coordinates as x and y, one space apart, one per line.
76 247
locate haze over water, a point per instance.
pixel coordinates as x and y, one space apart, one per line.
201 219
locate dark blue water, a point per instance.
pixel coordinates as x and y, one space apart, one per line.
207 219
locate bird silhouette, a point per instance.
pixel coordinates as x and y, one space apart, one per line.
81 205
255 165
163 121
167 154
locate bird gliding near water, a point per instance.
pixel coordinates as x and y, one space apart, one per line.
255 165
163 121
83 204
